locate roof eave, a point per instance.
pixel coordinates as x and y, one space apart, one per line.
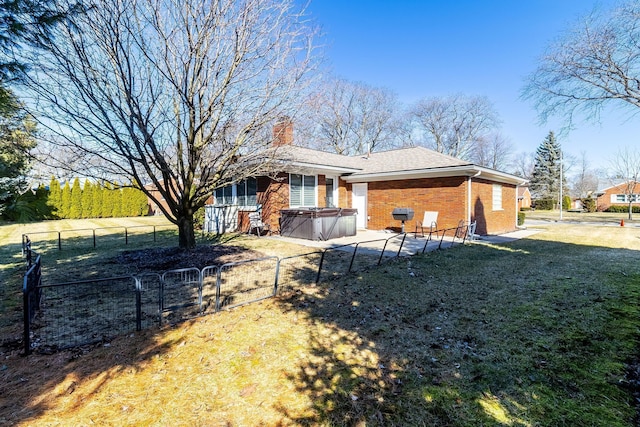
464 170
314 168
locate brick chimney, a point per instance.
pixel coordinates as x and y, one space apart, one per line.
283 132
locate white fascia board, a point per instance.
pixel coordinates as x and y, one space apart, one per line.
467 170
313 168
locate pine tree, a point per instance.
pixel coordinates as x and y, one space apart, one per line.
75 211
96 206
65 201
87 200
53 198
545 180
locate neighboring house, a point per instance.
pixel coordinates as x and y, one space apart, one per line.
416 178
154 209
524 198
617 195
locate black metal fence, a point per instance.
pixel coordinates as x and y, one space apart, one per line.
63 315
93 237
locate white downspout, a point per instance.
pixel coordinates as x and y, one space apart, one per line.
469 196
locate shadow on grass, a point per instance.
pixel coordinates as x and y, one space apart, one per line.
530 333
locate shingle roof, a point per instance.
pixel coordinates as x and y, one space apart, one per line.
295 154
393 164
406 159
403 159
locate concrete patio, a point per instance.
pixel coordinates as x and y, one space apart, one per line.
374 241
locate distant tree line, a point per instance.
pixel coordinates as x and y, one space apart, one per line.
94 200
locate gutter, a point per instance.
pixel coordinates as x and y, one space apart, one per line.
469 195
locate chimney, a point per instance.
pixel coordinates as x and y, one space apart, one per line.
283 132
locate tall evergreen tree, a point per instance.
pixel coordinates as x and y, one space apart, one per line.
54 197
65 201
87 200
116 200
96 205
107 201
75 210
545 180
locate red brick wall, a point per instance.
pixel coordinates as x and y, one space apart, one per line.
445 195
489 221
273 194
448 196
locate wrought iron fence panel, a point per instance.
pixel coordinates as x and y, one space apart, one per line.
149 311
209 278
180 294
31 296
246 281
85 312
297 271
370 253
336 262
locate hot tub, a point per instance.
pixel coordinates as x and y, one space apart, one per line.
318 223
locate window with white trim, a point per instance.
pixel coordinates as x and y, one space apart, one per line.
497 197
302 190
624 198
244 193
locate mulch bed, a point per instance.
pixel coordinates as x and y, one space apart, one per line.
161 259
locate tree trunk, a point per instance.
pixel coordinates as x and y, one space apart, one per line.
186 235
630 209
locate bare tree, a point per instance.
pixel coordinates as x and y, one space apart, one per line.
350 118
626 166
522 165
177 95
453 125
594 63
585 181
492 151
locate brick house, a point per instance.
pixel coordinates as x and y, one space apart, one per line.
375 184
524 198
618 195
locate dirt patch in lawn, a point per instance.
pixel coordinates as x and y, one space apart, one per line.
161 259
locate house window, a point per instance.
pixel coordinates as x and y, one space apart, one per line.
224 195
624 198
302 190
244 193
247 192
497 197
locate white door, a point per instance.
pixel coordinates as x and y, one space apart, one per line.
359 202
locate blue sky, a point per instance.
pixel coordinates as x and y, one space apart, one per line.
437 48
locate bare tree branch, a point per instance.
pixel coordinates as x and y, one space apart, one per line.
178 95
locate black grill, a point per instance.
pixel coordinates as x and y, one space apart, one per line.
402 214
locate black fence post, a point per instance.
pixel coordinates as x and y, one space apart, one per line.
59 241
402 244
355 250
320 266
126 236
275 282
94 238
154 234
26 312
